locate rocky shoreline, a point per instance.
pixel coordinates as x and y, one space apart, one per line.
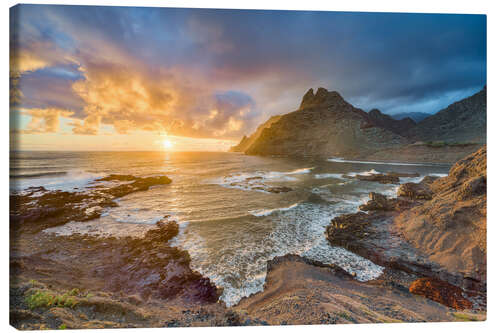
84 281
392 233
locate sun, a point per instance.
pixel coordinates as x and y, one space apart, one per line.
167 144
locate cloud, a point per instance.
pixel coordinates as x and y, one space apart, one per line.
219 73
44 120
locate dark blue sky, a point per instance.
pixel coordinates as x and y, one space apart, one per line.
219 73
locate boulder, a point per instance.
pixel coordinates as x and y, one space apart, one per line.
441 292
415 191
347 230
379 177
377 202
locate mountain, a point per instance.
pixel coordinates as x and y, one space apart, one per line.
462 121
416 116
325 125
401 126
248 141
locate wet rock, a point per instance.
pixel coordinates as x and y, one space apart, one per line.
37 208
415 191
347 230
148 266
278 189
441 292
377 202
115 177
404 175
379 177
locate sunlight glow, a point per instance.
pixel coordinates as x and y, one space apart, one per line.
167 144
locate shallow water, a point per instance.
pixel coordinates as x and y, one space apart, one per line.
230 224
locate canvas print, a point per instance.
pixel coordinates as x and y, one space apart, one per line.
175 167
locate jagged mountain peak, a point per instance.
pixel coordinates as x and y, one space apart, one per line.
322 98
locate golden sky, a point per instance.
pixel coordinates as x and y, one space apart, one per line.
129 78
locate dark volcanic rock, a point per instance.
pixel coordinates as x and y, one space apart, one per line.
348 230
37 208
149 267
377 202
379 177
441 292
415 191
404 175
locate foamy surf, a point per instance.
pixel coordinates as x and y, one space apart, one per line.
298 229
328 175
267 212
258 180
69 181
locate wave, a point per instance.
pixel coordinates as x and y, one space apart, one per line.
267 212
299 171
328 175
363 173
40 174
257 181
341 160
70 181
438 175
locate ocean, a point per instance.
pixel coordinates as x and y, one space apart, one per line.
231 222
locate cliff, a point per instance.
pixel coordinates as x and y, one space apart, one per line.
248 141
451 227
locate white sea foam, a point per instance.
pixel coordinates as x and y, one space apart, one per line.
71 181
438 175
363 173
328 175
299 229
258 180
267 212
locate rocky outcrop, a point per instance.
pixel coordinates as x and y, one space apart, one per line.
38 208
451 226
462 121
441 292
325 125
434 230
246 142
417 191
377 177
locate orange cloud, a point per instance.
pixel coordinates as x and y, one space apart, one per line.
44 120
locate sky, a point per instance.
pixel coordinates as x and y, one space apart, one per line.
132 78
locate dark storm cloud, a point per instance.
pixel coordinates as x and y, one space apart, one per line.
198 72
